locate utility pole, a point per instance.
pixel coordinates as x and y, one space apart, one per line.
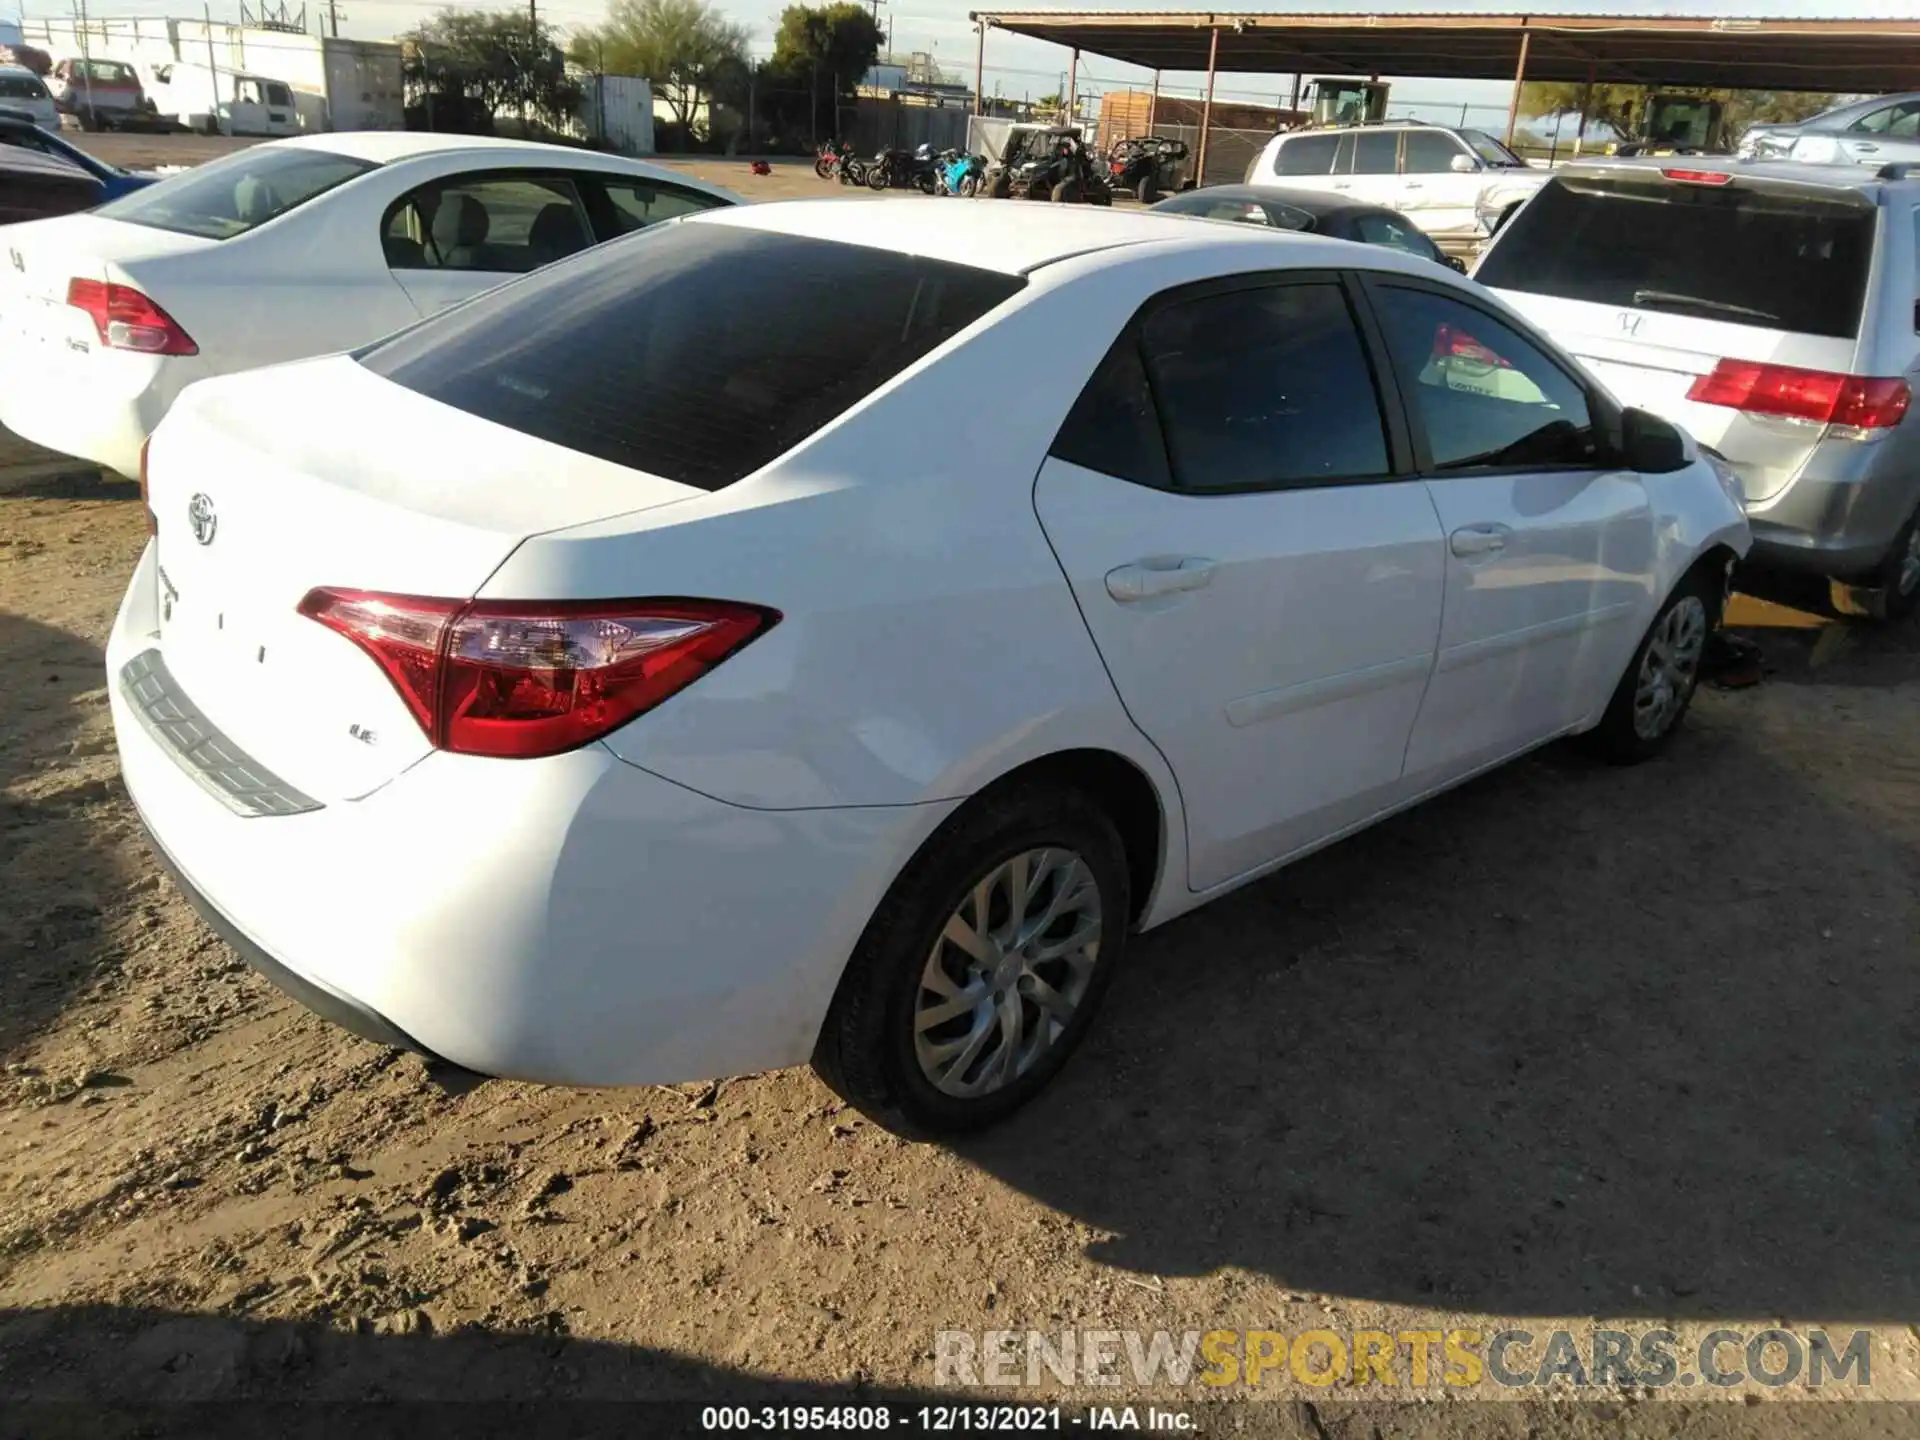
213 69
333 17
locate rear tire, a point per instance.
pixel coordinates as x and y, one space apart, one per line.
1652 697
1146 192
1067 192
1891 594
931 1034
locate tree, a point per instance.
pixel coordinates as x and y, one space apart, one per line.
463 67
677 45
1623 107
843 40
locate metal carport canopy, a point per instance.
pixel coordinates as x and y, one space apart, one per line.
1824 51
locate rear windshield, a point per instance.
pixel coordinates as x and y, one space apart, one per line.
105 72
21 87
1785 262
231 195
694 351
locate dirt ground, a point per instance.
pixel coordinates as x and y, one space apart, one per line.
1572 1042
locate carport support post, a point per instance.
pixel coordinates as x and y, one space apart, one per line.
980 71
1586 107
1073 86
1153 101
1206 107
1519 82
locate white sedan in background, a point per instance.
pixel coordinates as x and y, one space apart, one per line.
608 683
284 251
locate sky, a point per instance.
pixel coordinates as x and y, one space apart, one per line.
1016 65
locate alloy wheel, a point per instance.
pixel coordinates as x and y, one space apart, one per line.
1007 973
1670 667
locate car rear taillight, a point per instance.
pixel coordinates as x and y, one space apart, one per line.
1859 402
1699 177
520 679
128 320
146 504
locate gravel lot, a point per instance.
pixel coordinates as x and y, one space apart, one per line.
1572 1042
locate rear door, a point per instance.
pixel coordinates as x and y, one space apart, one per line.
1376 167
1263 584
454 237
1652 281
1550 549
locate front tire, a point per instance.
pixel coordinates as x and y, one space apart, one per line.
980 972
1146 192
1067 192
1652 697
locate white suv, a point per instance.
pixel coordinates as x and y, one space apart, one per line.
1459 186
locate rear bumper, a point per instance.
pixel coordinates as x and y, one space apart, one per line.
98 406
572 920
1840 513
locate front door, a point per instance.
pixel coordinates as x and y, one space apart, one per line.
1435 196
1550 552
1264 591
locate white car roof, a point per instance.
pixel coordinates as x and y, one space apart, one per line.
1012 237
383 147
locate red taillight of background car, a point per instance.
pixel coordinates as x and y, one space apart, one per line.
1699 177
1449 343
1859 402
125 319
521 679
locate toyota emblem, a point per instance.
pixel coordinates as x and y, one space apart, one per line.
201 518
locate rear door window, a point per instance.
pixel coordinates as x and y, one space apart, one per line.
502 224
714 348
1376 152
1394 234
1786 262
231 195
1264 388
1306 155
21 87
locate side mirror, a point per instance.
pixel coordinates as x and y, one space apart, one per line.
1651 445
1455 263
1464 165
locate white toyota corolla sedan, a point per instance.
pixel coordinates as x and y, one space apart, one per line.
284 251
829 630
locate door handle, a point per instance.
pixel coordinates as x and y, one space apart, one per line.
1147 579
1866 149
1474 540
1413 185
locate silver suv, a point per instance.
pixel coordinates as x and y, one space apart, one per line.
1875 132
1459 186
1772 308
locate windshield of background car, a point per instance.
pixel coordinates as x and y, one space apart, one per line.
710 349
1795 262
1491 150
231 195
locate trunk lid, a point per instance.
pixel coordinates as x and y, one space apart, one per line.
40 259
1652 281
262 493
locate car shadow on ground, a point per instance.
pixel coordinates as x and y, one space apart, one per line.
63 859
1573 1040
114 1373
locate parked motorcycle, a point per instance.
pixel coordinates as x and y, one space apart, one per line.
961 174
892 169
830 161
